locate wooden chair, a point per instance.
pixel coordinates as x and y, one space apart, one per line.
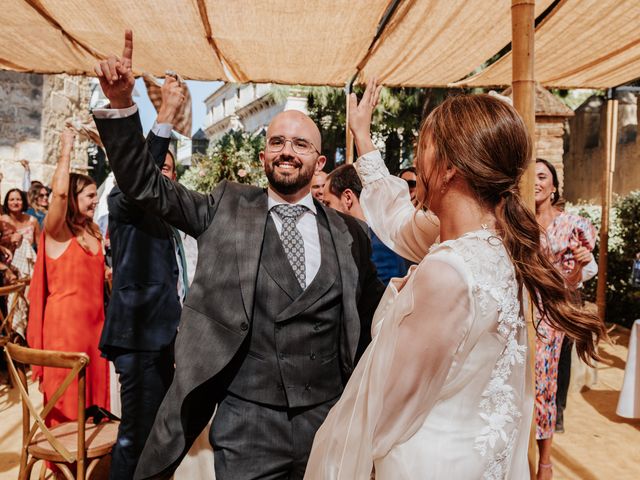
71 442
6 321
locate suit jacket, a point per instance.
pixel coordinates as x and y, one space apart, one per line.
144 309
229 224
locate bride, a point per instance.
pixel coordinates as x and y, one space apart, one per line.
443 390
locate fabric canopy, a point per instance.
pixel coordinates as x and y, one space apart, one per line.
435 43
582 43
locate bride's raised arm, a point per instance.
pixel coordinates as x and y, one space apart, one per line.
385 199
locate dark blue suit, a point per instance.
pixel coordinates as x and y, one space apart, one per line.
142 317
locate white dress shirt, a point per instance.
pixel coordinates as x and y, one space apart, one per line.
308 228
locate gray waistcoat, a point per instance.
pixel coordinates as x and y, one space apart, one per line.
291 357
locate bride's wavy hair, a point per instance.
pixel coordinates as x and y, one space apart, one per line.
486 141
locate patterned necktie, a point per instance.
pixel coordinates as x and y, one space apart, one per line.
292 238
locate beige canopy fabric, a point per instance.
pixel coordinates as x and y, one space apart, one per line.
582 44
46 36
315 42
440 41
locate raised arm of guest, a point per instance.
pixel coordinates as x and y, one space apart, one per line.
129 154
55 221
385 199
26 176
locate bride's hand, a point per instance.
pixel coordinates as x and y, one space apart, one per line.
360 116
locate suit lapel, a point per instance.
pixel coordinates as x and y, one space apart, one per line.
342 240
274 260
251 218
324 279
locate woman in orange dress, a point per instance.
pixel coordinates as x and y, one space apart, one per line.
67 309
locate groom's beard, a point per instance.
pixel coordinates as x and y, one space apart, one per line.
291 180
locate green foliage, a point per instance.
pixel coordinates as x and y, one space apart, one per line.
623 300
234 157
395 124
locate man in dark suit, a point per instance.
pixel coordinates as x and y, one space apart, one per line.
280 307
143 313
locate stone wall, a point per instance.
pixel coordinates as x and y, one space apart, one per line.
33 109
20 124
585 154
549 142
64 97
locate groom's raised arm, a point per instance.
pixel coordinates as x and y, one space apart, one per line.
129 154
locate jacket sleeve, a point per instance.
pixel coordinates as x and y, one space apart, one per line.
121 207
140 179
372 290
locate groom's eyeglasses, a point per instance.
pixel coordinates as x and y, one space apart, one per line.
301 146
412 183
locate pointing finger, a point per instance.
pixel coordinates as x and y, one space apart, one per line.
127 52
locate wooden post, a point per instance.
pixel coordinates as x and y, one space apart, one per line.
523 87
607 194
348 148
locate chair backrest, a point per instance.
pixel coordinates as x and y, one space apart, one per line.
6 321
18 358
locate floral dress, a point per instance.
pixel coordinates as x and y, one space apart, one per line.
566 232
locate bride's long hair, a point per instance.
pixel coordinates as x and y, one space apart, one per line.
486 141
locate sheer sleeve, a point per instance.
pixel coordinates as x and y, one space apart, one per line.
388 209
401 375
427 341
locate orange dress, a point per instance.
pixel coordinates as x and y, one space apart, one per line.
67 314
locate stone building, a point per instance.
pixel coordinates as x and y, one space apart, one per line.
551 115
33 110
585 153
248 107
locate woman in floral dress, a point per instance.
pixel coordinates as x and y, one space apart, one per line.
568 241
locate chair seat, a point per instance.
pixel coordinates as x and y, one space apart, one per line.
99 439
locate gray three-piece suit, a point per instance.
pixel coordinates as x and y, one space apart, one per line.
273 357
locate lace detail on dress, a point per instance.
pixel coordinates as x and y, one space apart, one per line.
371 167
494 279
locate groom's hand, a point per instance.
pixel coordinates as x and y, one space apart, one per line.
116 77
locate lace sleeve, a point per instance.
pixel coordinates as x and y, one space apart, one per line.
388 209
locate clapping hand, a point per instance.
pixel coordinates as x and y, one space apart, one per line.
172 98
581 255
67 139
360 116
116 77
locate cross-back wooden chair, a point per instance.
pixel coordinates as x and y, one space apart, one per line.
71 442
6 321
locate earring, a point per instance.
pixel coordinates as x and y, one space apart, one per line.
445 184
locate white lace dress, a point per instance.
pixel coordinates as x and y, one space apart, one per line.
442 391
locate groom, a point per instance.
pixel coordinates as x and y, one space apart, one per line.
280 306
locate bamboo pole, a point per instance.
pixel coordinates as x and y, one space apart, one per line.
348 149
523 87
607 194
